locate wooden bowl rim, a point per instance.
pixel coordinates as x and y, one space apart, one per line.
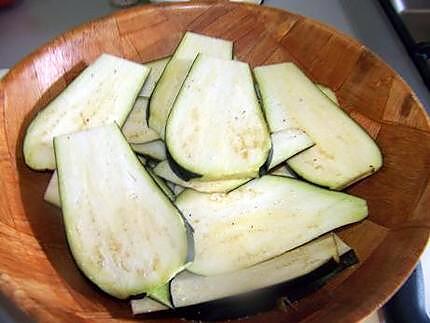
200 3
359 313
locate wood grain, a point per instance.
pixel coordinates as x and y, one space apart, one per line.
36 269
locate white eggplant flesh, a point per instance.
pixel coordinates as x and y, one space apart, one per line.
52 195
188 289
217 110
124 233
163 170
146 305
135 128
329 93
343 153
178 189
282 170
176 70
161 295
260 220
102 94
157 67
287 143
155 149
164 187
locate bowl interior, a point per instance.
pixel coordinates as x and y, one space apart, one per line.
37 271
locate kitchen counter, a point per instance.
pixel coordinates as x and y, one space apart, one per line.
30 23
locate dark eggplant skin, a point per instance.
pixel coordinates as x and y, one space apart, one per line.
261 300
149 98
148 109
264 169
181 172
191 251
187 175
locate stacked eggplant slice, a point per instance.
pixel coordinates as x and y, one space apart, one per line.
191 179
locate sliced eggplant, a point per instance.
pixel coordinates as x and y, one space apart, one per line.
260 220
157 68
329 93
123 231
164 171
147 305
178 189
135 128
217 110
176 70
151 163
166 189
142 160
282 170
103 93
287 143
52 194
161 295
154 149
170 184
294 266
189 289
343 153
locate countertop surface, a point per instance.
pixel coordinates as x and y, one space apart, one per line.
30 23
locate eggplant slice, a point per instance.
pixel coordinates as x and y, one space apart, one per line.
189 289
178 189
135 128
343 153
155 149
287 143
329 93
161 295
163 170
103 93
123 231
147 305
52 195
164 187
157 67
260 220
291 274
176 70
283 170
216 128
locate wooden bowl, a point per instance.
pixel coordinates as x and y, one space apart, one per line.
36 269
